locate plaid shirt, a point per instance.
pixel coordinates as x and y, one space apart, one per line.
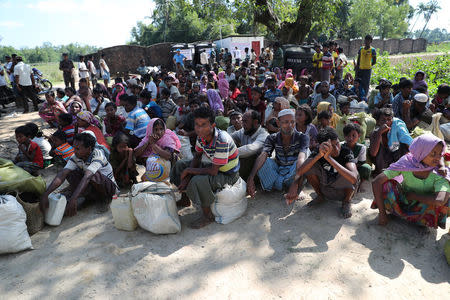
286 156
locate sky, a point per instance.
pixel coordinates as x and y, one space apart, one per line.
102 23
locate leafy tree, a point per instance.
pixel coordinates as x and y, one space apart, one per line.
428 9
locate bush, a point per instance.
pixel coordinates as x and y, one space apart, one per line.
437 71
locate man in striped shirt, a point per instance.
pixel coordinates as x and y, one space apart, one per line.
290 147
199 181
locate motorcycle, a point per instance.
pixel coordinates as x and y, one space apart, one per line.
43 85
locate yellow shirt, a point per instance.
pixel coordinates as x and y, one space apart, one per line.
317 63
366 58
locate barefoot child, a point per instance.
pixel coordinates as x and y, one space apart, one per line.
331 171
352 133
29 157
123 161
422 197
38 138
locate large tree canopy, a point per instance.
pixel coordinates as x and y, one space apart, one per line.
289 21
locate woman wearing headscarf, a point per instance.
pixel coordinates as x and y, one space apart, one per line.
323 106
87 121
203 83
223 85
290 83
279 104
422 196
158 143
51 109
215 102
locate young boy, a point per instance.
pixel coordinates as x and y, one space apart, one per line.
199 181
149 105
317 62
235 121
352 133
367 57
89 174
137 120
331 171
98 102
62 151
304 90
30 156
168 107
65 124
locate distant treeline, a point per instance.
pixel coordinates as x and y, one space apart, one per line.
47 52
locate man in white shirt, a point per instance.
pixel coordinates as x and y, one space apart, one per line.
83 70
151 86
250 141
237 56
24 80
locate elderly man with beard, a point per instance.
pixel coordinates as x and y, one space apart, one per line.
290 148
250 141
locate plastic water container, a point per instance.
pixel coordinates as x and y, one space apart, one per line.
123 213
56 207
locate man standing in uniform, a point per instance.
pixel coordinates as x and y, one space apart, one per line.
66 65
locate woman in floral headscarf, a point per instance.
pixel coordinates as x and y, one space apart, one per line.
422 196
87 121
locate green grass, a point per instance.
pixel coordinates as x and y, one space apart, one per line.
442 47
50 70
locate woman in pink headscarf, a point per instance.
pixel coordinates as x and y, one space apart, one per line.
160 143
223 85
120 90
416 187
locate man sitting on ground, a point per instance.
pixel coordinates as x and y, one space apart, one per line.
89 175
199 181
250 140
290 148
331 171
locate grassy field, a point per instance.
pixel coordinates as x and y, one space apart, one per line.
442 47
51 71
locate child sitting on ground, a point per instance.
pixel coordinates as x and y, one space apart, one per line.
331 171
65 122
323 120
352 133
113 122
304 90
123 161
153 110
38 138
29 157
62 151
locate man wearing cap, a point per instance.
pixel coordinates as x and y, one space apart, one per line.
290 148
179 58
250 141
66 65
416 113
384 96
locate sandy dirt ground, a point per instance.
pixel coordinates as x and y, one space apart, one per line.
273 251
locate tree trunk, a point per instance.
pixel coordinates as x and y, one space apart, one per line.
286 33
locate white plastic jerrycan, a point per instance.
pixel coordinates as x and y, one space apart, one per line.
123 213
56 207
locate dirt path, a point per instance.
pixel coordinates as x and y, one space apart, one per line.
273 251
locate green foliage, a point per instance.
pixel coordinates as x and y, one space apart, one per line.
47 52
432 36
437 70
384 18
442 47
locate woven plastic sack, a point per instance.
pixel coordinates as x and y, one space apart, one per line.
154 207
231 202
13 230
13 178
